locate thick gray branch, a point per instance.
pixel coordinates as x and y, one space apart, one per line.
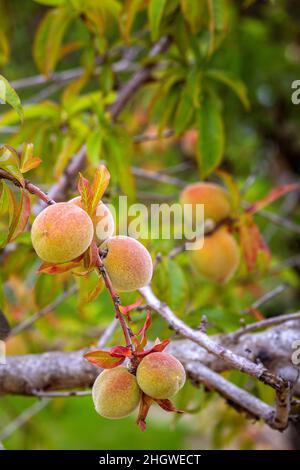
68 370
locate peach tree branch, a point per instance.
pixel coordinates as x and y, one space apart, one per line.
68 371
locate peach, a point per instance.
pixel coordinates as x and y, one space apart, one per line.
214 198
104 224
160 375
128 263
61 232
115 393
219 257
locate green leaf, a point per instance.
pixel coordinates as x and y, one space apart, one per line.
119 148
49 36
184 112
210 145
20 216
42 111
4 48
178 287
94 146
99 185
89 287
237 86
9 96
9 161
52 3
193 13
155 13
28 160
131 8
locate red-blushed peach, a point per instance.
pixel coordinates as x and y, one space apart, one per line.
213 197
104 224
219 257
115 393
61 232
160 375
128 263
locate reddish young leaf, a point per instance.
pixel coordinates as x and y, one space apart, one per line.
145 405
257 314
274 194
50 268
85 192
93 294
167 405
90 257
120 351
233 189
20 214
10 162
28 161
125 309
252 243
143 333
159 346
99 185
103 359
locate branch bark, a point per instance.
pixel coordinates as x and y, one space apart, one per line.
63 371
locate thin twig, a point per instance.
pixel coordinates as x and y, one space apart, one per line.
107 333
137 139
31 188
266 323
72 393
291 262
158 177
28 322
266 297
25 416
279 220
235 396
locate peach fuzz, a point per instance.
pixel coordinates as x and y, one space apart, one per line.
213 196
115 393
128 263
104 224
61 233
219 257
160 375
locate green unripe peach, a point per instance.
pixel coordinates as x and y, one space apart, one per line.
61 232
213 197
128 263
104 224
115 393
160 375
219 257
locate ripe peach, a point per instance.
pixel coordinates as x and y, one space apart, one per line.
219 257
61 232
115 393
128 263
214 198
160 375
104 222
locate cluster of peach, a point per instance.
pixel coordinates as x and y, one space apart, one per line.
64 231
219 257
117 392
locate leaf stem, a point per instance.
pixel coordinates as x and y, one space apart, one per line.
116 301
